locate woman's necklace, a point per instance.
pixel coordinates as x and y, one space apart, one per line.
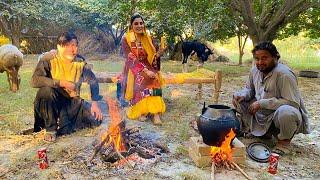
138 45
137 40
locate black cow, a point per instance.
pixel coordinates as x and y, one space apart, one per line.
191 47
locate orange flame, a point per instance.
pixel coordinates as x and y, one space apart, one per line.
224 152
114 130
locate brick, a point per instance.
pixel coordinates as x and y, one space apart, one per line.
200 152
239 160
200 161
238 148
198 146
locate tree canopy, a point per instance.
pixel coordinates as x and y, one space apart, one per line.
179 19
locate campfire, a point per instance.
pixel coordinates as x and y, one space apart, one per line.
120 145
222 156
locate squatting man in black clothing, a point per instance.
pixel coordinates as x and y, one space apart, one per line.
57 107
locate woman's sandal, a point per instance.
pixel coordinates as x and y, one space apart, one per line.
157 120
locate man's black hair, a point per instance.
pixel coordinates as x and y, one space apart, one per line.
267 46
66 37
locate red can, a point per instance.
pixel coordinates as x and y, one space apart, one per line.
43 159
273 163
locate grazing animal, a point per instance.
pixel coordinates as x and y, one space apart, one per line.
191 47
11 61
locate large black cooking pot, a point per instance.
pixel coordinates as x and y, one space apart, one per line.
215 123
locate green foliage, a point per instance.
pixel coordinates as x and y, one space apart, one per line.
267 20
188 19
306 58
307 22
109 16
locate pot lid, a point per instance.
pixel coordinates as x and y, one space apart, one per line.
259 152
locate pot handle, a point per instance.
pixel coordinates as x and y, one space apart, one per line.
204 108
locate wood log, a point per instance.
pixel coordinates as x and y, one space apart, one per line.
98 147
170 79
241 170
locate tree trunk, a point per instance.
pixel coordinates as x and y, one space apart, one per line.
16 31
176 54
241 45
273 16
15 38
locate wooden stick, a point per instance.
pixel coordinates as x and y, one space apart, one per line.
120 155
99 146
217 85
212 171
241 170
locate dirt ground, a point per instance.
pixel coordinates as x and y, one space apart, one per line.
68 156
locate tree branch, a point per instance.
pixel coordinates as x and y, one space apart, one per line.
266 13
248 17
289 10
4 26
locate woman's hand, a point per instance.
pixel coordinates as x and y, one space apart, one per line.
149 73
161 52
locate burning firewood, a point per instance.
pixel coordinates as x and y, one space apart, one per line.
98 147
244 173
222 156
118 143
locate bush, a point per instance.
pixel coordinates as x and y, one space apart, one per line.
4 40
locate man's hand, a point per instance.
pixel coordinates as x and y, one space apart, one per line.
254 107
96 111
53 52
67 85
236 100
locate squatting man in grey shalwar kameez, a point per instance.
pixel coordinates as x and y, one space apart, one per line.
271 102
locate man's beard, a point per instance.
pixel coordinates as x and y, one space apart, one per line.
267 70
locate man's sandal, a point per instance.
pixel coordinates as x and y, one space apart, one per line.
50 136
282 149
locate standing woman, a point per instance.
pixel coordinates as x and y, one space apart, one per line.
141 75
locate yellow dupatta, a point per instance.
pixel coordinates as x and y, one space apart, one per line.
147 44
68 72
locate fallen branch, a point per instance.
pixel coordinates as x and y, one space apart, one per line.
241 170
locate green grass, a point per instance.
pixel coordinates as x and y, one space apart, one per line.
102 66
16 109
297 51
176 67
